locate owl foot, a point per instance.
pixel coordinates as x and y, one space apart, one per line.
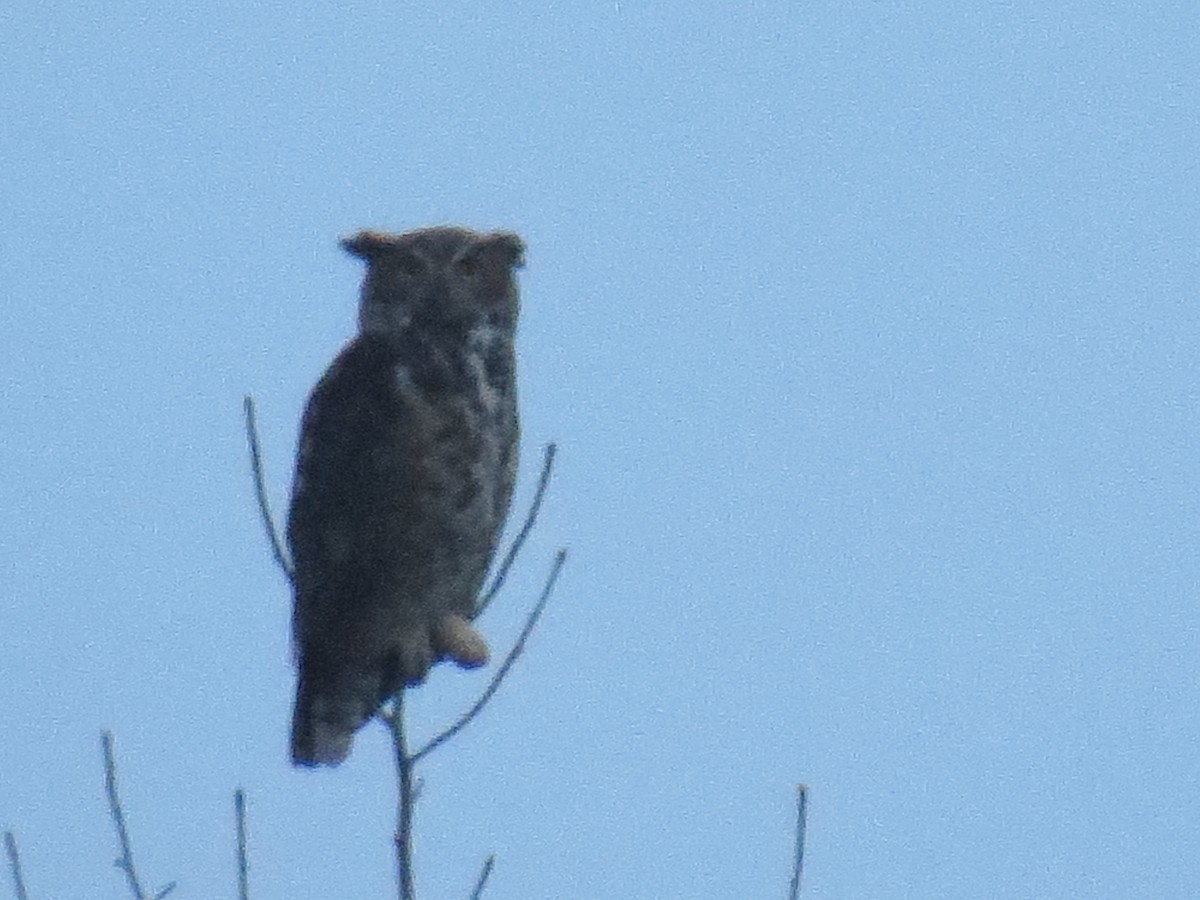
456 639
418 646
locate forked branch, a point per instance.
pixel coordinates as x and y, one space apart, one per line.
530 623
394 718
406 761
124 862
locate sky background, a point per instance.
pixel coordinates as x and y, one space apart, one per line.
868 334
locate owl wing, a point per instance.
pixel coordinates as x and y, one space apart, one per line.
334 493
346 508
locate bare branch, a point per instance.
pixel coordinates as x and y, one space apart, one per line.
125 860
527 526
260 490
513 654
404 808
14 866
394 716
801 826
481 882
243 861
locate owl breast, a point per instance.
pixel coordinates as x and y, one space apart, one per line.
455 434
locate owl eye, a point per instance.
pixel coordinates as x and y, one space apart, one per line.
409 265
467 266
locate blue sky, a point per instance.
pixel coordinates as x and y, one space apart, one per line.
868 336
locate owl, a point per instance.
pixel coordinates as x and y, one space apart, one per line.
404 472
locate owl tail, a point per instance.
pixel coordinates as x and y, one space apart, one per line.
322 732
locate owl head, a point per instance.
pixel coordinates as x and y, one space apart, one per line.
443 279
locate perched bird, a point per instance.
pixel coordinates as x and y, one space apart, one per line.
404 472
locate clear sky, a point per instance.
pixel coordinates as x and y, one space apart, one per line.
868 333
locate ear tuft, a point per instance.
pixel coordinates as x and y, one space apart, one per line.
511 247
367 244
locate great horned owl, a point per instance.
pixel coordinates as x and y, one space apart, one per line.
404 473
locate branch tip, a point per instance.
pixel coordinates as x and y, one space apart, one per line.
484 874
531 516
801 827
243 860
260 490
14 866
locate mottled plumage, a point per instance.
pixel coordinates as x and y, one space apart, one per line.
404 473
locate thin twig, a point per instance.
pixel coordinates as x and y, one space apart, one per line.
404 810
14 866
527 526
801 826
260 490
125 860
481 882
243 861
494 684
